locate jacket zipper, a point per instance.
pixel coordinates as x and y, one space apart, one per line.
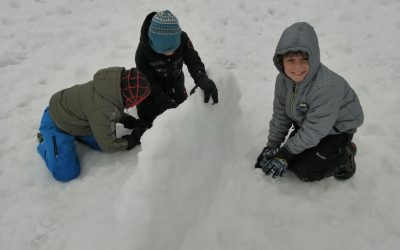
293 97
55 146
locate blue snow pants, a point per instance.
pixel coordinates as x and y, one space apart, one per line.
58 149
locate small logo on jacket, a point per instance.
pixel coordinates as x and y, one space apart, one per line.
321 156
302 107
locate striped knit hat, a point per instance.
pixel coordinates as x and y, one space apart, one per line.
164 32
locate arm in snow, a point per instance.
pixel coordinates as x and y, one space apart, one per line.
103 126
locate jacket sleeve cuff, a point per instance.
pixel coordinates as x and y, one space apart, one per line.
199 74
285 154
273 144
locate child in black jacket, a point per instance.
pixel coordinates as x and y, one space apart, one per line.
160 55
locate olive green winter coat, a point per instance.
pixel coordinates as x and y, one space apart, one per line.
92 108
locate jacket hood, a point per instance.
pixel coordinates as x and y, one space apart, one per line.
299 36
107 83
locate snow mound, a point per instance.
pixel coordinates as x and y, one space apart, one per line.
183 160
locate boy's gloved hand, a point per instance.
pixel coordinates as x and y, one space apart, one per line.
209 88
143 124
275 166
134 138
132 141
267 152
131 122
277 163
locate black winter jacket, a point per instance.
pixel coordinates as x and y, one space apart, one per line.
160 69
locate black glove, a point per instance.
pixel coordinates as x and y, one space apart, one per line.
131 122
267 152
164 102
132 141
134 138
143 124
209 88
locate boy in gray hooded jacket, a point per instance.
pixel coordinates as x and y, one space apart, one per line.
320 105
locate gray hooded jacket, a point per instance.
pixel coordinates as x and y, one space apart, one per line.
322 104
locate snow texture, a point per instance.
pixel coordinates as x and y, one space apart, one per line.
192 183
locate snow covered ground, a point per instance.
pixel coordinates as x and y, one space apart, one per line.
192 185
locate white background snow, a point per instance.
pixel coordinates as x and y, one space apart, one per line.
192 185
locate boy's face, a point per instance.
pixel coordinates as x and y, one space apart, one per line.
296 67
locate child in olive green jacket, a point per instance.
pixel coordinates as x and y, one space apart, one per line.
89 113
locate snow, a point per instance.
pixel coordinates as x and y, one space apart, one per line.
192 185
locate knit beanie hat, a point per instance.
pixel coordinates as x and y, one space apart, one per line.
134 87
164 32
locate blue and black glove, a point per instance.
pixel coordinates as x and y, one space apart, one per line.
275 166
268 152
278 163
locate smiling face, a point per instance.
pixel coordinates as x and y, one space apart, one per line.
296 66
